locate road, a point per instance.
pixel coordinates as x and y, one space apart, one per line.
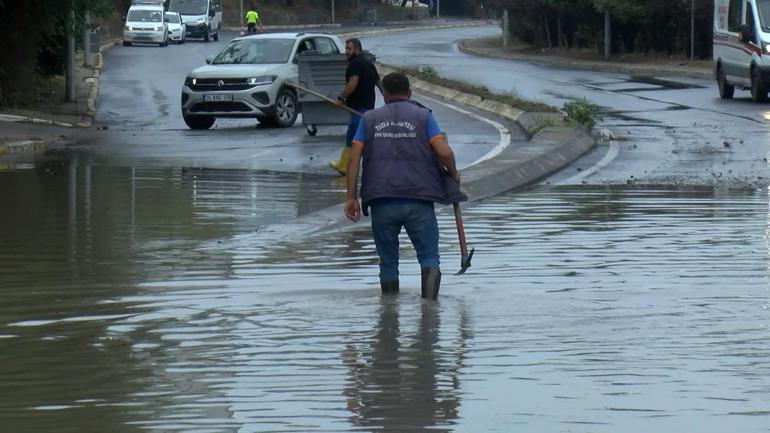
139 106
671 130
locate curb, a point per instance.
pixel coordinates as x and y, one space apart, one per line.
410 26
414 28
93 92
549 150
22 148
587 65
530 122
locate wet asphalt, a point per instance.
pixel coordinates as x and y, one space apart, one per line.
139 105
670 130
139 292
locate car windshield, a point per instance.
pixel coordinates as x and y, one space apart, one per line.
189 7
145 16
255 52
763 7
172 18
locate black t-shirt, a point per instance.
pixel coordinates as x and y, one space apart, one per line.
363 97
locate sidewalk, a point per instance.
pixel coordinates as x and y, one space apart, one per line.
26 133
492 47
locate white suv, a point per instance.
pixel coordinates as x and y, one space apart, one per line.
247 79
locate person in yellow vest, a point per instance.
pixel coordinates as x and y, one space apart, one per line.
252 19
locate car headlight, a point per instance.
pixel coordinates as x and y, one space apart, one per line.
158 29
261 81
190 81
200 20
129 29
766 47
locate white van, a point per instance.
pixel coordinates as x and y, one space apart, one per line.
742 47
203 18
146 23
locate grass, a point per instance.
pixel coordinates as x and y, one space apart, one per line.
427 73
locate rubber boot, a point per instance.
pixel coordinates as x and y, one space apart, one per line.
389 287
342 164
431 282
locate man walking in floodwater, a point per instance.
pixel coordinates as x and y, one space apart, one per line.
361 78
407 167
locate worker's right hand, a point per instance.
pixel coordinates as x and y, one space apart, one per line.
456 177
353 210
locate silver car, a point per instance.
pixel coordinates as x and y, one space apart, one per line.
247 79
176 28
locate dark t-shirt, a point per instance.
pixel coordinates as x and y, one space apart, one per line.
363 97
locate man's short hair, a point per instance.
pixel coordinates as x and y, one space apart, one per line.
396 83
356 43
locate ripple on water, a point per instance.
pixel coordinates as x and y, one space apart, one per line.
586 310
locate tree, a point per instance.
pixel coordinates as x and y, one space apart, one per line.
34 35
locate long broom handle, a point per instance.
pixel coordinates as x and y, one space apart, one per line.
322 96
460 230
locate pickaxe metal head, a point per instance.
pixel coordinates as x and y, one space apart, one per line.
465 262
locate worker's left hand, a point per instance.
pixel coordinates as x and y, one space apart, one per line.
338 102
353 210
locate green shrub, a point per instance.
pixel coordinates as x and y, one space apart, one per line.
583 112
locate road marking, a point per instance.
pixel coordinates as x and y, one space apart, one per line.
505 134
610 156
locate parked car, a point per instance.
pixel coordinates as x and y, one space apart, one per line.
176 28
146 24
248 79
203 18
742 47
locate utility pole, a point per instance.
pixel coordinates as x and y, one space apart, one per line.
692 30
70 76
332 11
506 29
438 9
86 41
607 35
243 24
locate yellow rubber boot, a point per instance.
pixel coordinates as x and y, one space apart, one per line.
342 164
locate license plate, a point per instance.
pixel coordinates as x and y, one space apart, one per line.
218 98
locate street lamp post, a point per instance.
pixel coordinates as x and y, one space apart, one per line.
692 29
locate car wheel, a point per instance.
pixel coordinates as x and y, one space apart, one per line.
286 108
758 90
726 91
126 44
199 122
216 36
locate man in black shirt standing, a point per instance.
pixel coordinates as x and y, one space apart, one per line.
361 78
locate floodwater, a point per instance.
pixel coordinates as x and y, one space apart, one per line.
146 299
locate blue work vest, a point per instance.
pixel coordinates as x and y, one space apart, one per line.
398 161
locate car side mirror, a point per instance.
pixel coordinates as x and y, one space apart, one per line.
209 60
212 13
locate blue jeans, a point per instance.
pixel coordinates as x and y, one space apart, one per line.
418 218
353 127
